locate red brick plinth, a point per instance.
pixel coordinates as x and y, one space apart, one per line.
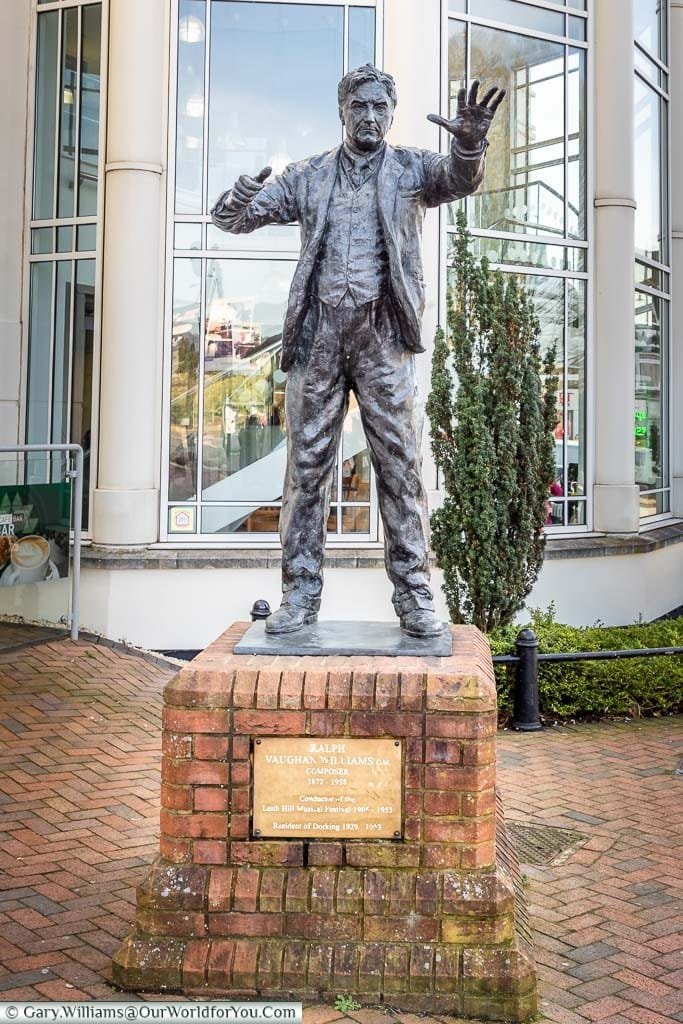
432 921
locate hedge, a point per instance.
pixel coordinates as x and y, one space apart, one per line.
629 686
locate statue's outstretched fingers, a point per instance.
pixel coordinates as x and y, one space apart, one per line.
498 100
472 98
489 96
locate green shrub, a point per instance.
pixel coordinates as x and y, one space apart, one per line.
626 686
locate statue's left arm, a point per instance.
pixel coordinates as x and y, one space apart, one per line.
451 177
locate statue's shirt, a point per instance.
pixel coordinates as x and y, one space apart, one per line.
353 256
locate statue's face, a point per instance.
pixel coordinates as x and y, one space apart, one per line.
367 114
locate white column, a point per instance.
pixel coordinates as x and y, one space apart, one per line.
676 391
616 505
126 508
14 40
412 41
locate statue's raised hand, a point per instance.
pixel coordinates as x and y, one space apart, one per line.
472 119
243 191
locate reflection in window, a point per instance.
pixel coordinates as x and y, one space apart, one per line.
649 23
274 74
535 186
184 379
89 139
361 36
244 448
650 428
649 180
45 126
61 93
190 115
272 71
525 175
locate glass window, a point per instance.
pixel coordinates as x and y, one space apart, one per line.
62 353
190 106
184 379
361 36
244 447
89 137
61 314
535 186
649 19
87 237
651 414
522 15
42 240
40 344
67 116
272 76
524 189
45 127
649 179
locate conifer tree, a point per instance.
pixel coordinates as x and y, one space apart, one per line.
492 411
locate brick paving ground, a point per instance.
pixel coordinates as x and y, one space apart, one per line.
79 760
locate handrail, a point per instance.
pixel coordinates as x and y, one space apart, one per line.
77 475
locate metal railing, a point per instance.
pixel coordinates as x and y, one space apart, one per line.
526 712
74 473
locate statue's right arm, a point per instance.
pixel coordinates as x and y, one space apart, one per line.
254 202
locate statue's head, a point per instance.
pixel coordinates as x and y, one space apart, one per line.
367 99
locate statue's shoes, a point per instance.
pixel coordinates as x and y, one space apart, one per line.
289 618
421 622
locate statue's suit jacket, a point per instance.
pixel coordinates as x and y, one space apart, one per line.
408 182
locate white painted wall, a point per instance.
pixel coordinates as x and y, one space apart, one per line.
188 608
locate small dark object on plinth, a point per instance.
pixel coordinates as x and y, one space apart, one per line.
526 713
383 639
259 610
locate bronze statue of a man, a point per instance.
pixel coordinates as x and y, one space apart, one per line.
353 323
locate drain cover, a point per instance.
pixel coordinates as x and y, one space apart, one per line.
543 844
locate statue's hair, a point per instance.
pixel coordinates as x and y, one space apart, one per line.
367 73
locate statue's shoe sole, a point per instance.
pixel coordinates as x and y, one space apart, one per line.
293 627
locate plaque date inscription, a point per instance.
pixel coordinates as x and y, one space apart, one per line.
327 789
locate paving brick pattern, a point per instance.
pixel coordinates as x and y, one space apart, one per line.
79 791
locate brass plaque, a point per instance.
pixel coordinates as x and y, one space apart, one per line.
327 789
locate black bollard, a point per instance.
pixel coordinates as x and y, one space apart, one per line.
525 716
260 610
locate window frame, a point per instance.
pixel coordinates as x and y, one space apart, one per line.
587 244
247 541
97 219
662 91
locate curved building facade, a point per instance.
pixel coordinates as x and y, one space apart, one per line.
131 325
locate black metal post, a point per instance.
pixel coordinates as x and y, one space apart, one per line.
525 715
260 610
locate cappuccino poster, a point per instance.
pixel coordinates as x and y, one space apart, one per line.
35 521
